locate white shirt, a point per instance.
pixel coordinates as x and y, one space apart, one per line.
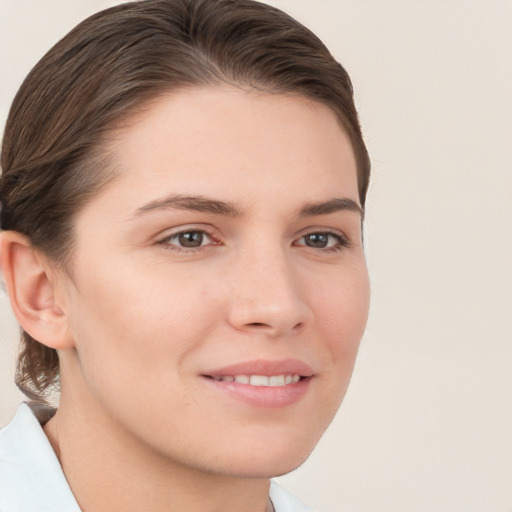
32 480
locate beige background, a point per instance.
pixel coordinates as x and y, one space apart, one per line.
427 423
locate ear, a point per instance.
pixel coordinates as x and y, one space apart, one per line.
31 285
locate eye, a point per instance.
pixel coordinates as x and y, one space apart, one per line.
323 240
191 239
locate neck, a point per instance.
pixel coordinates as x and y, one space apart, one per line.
109 469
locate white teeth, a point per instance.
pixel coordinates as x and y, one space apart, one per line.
277 380
261 380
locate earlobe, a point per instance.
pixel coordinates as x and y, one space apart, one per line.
31 289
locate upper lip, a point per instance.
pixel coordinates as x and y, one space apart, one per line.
264 367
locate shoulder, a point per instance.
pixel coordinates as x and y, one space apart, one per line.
31 478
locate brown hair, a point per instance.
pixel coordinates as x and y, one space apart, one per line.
108 67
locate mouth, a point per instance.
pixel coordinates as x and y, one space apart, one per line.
261 380
266 384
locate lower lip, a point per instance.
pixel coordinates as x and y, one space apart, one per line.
270 397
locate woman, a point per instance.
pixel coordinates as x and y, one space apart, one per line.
182 197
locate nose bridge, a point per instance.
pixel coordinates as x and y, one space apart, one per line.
266 291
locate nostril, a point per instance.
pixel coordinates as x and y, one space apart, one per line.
262 325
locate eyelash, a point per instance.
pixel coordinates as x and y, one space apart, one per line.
342 241
166 241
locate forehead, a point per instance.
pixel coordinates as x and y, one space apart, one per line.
230 142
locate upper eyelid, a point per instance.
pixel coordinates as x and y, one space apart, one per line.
323 230
317 229
170 232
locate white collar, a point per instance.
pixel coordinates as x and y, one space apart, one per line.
31 479
283 501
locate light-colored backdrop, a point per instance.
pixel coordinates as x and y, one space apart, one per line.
427 423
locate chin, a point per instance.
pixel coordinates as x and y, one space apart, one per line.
268 461
263 468
277 468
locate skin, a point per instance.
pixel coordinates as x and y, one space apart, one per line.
139 426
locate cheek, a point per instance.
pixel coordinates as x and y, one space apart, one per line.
341 312
124 326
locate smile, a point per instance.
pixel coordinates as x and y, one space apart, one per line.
261 380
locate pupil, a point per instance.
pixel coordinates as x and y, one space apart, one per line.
318 240
191 239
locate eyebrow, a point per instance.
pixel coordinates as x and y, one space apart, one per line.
331 206
207 205
195 203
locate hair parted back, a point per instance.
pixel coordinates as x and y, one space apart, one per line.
105 70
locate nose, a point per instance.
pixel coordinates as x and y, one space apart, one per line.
267 297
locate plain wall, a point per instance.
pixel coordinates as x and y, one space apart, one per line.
427 423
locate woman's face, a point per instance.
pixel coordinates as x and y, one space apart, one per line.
218 288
